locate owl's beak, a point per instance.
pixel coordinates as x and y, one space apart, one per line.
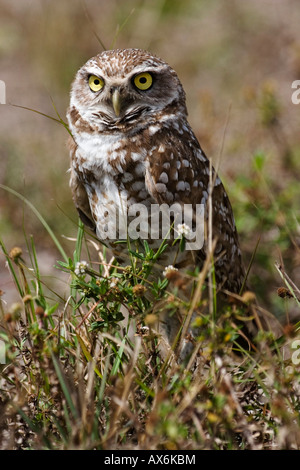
116 101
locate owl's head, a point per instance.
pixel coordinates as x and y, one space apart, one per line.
122 88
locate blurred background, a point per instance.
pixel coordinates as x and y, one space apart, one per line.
237 61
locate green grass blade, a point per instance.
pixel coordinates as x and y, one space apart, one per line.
40 217
36 269
120 28
11 268
87 355
118 359
92 26
79 241
37 112
104 381
249 267
60 118
64 386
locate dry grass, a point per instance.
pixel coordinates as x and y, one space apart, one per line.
80 375
70 383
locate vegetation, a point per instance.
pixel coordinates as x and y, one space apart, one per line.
78 374
82 365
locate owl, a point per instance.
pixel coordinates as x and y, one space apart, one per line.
132 145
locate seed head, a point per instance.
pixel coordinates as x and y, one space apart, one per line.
169 270
15 253
139 290
80 268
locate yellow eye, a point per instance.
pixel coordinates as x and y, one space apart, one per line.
143 81
95 83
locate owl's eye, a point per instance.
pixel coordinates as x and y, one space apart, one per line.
95 83
143 81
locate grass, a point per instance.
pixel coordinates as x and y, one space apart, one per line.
85 371
83 367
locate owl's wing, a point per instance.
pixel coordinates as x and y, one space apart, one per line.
179 172
81 201
79 194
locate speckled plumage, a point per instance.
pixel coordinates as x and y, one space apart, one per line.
147 154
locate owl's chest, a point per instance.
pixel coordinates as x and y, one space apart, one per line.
109 165
113 174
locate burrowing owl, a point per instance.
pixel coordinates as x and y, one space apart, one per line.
132 141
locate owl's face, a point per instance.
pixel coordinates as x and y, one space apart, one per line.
117 89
